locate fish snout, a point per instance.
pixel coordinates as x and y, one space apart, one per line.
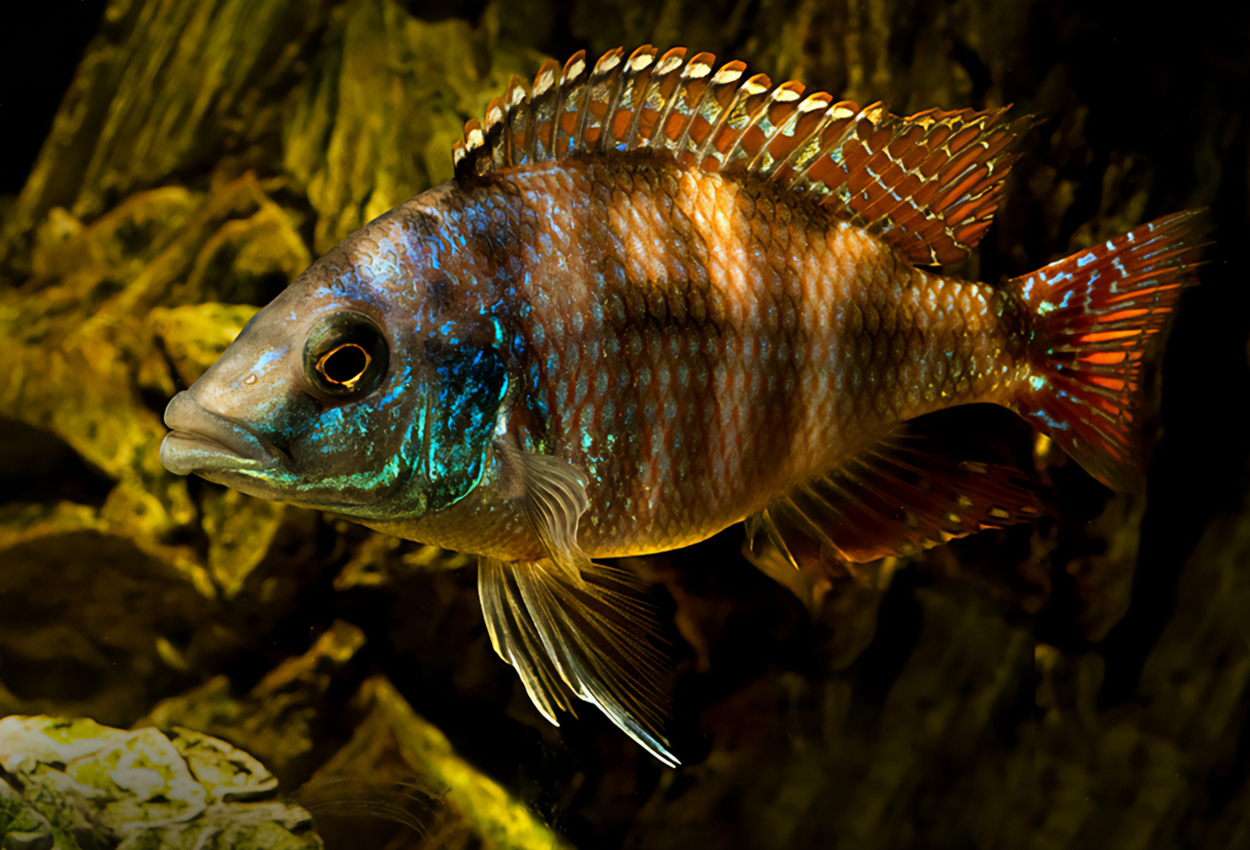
201 440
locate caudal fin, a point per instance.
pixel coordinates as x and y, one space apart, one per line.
1096 312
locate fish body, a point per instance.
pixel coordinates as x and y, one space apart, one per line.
697 345
657 301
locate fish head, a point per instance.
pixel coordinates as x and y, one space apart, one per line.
349 392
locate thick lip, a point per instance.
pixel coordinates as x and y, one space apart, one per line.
201 440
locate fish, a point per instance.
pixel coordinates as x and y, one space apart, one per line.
659 298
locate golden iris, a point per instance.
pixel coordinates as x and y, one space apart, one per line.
344 365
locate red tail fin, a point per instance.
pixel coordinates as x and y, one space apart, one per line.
1096 313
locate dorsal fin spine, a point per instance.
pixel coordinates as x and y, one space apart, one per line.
747 116
841 191
928 184
777 117
810 104
615 85
732 111
587 121
694 80
472 143
514 95
543 95
638 79
665 69
493 134
697 72
716 108
520 105
819 148
782 104
570 99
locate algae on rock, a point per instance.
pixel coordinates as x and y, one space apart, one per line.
374 123
166 89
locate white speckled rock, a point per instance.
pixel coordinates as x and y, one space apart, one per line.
83 784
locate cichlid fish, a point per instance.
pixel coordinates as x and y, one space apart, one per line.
658 299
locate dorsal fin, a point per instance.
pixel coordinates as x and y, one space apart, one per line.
928 184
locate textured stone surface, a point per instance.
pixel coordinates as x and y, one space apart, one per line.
86 785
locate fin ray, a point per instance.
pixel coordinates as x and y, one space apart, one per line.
569 626
628 108
589 641
1094 315
910 491
553 495
515 640
928 184
570 105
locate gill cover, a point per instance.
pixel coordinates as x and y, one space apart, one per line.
468 387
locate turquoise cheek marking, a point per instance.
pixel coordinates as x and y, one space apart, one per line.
364 480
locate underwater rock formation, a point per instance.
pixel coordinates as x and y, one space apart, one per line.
74 783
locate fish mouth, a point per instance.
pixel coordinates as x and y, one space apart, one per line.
203 441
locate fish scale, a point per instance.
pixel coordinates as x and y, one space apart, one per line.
659 299
773 419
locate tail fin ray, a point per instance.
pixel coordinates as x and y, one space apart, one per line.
1094 316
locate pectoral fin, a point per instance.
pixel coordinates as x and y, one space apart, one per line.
910 491
570 626
552 493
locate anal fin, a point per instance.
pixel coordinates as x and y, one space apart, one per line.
910 491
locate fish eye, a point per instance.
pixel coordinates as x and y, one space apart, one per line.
346 355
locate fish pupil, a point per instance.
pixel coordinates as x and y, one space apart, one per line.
345 364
